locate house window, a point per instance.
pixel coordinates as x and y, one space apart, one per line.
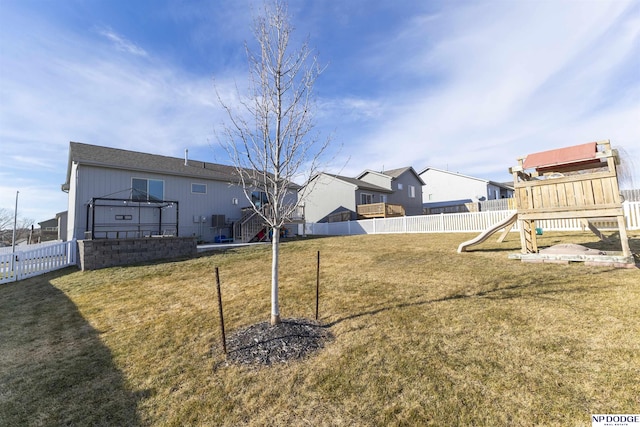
366 199
412 192
199 188
259 198
400 187
147 189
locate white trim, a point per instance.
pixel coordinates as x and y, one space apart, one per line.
198 192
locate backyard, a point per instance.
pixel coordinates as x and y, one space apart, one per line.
421 335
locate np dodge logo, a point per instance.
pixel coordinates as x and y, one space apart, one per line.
615 420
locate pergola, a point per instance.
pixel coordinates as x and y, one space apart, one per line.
117 218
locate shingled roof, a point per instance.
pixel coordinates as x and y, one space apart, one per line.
132 160
394 173
362 185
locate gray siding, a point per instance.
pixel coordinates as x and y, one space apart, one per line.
115 183
326 195
412 202
378 179
493 192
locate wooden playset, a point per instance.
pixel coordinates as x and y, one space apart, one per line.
577 182
572 182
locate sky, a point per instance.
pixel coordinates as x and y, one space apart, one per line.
465 86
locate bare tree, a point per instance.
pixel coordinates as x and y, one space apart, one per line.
23 226
6 219
269 136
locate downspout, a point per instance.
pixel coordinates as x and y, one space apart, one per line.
177 219
86 228
93 219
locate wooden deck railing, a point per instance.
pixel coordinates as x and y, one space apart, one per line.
379 210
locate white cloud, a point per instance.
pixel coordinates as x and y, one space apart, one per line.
510 79
121 43
67 88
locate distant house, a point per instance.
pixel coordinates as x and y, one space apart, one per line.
49 229
116 193
444 188
405 184
371 194
50 225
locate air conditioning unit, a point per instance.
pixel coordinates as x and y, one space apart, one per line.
199 219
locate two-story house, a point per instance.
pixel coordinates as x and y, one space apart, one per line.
445 188
371 194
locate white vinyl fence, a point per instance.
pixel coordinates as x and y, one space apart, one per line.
33 260
453 223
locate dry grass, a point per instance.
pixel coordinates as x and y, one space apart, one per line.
423 336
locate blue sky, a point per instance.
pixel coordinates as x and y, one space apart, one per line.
463 86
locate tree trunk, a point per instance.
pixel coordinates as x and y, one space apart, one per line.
275 254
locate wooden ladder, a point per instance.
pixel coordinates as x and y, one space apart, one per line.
528 236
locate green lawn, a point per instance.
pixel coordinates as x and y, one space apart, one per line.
422 336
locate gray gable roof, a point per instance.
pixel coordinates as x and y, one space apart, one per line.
116 158
362 185
132 160
395 173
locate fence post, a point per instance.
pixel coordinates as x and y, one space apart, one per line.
17 264
317 285
224 339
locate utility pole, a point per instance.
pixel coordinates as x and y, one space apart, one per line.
13 240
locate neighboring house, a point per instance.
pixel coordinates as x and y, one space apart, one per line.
444 188
405 184
49 229
50 225
116 193
329 198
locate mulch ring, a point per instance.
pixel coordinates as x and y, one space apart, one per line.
263 344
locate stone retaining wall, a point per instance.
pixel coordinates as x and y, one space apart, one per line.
95 254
